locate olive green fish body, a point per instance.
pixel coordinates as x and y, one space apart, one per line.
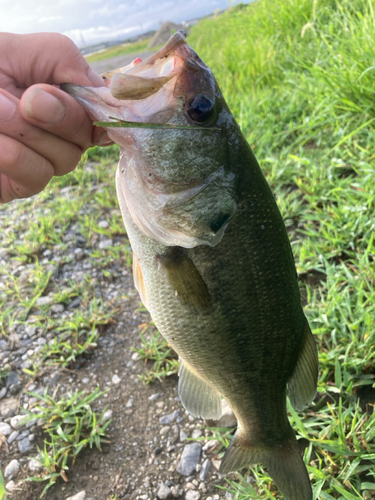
212 259
246 341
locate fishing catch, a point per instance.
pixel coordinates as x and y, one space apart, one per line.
212 260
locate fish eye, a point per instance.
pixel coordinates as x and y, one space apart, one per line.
200 108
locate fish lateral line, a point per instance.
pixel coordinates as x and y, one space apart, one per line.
166 126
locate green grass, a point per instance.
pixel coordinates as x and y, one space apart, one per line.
298 76
154 348
71 426
120 50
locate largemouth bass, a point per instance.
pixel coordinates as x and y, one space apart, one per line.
212 259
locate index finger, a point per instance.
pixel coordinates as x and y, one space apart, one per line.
43 58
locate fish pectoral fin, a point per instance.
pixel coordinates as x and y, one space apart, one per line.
284 463
302 384
185 279
138 280
197 396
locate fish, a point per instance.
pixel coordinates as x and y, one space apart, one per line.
211 256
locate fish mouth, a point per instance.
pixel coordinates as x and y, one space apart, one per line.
140 79
166 81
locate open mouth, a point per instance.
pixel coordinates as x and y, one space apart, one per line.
140 79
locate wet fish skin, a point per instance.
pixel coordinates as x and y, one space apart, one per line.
214 267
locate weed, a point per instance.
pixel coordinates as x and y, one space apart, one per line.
71 425
155 348
2 487
119 50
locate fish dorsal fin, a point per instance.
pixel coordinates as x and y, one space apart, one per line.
185 279
302 384
197 396
138 280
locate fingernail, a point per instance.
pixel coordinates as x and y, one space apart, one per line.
95 79
7 108
43 106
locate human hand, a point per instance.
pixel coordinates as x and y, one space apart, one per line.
43 131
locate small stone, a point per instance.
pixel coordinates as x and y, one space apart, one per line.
16 421
206 466
103 224
228 495
211 445
216 464
107 415
23 435
168 419
5 429
12 468
108 243
24 445
154 397
190 486
74 304
13 378
44 301
30 331
14 435
57 308
176 491
85 380
163 492
35 465
196 433
164 430
183 435
116 379
3 392
129 404
79 253
10 486
189 459
192 495
78 496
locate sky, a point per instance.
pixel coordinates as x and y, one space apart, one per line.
89 22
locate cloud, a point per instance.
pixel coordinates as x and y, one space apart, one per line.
99 20
49 19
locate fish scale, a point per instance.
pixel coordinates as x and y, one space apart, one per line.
212 259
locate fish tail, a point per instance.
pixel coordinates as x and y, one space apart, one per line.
283 461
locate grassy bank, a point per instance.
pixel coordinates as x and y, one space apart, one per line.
119 50
299 77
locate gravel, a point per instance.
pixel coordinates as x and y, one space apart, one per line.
25 445
189 459
35 465
206 466
79 496
5 429
163 492
12 468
